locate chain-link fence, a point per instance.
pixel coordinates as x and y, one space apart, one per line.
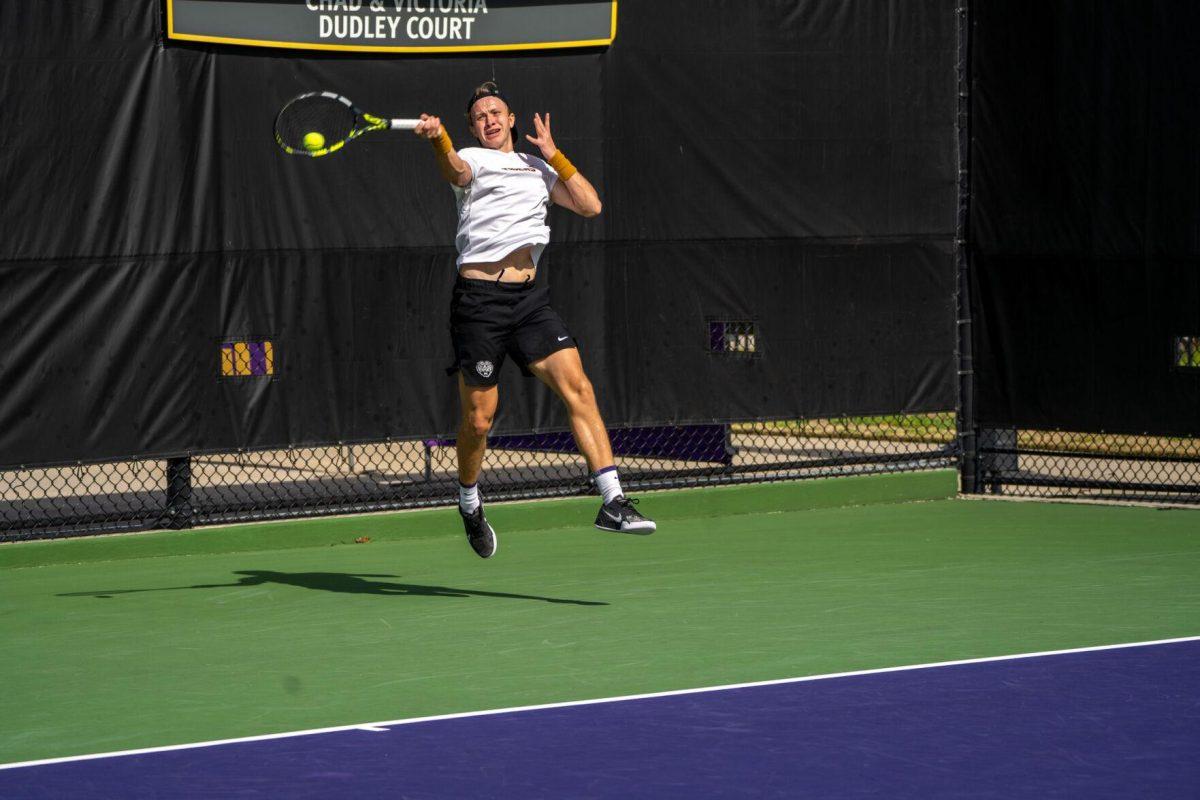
1092 466
338 479
186 491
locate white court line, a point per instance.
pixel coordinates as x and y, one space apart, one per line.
383 726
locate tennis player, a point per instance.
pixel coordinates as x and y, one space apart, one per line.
499 309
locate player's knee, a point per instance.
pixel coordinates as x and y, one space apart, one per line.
579 391
476 422
479 423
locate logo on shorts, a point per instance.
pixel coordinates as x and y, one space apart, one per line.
484 368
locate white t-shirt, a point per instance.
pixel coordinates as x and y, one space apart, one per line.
504 206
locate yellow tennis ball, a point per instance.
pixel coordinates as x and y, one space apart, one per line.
314 141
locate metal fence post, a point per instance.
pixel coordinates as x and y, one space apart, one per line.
968 471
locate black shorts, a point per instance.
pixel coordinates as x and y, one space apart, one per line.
490 320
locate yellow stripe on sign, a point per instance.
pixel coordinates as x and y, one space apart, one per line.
480 48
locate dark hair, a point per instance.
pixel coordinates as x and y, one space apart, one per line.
490 89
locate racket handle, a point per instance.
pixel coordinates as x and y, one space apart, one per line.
404 124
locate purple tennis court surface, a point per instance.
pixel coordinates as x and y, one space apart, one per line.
1109 723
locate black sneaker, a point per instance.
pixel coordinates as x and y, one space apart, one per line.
479 532
621 516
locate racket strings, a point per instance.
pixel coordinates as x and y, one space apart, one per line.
328 116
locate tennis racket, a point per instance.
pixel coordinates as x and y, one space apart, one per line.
319 123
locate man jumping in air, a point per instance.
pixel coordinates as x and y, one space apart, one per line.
498 309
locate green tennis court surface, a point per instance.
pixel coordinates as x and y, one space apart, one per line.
136 641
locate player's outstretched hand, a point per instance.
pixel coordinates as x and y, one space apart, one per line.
429 127
543 140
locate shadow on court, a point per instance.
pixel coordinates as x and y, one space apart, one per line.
344 582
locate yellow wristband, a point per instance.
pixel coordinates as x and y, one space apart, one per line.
442 143
565 169
442 148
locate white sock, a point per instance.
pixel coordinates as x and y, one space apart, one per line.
609 484
468 497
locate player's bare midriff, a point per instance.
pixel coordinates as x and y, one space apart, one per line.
516 267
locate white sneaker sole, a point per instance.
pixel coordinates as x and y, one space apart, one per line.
636 527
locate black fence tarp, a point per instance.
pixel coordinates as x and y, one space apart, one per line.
1086 214
786 163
